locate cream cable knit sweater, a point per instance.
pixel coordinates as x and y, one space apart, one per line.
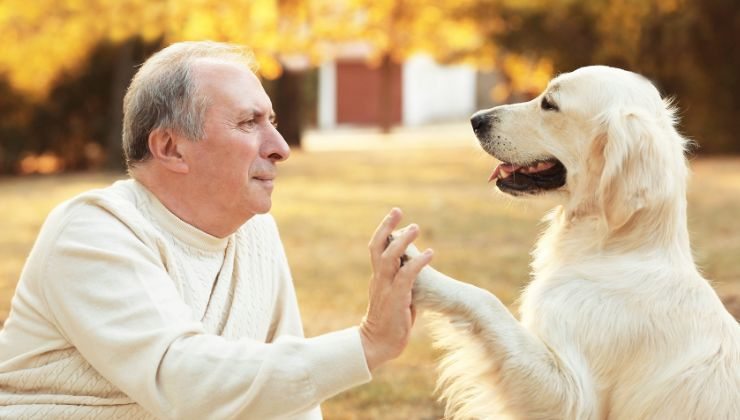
125 311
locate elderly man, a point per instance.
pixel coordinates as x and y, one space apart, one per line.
168 295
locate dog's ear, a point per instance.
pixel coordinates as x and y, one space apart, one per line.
636 165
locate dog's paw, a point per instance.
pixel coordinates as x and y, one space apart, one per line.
411 250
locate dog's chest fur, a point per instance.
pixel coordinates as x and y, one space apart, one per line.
587 318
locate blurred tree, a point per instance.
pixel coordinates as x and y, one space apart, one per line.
46 53
73 120
687 47
692 52
15 117
46 43
47 38
287 95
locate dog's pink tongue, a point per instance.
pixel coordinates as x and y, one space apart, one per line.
506 167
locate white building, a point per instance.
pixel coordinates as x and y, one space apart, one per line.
419 92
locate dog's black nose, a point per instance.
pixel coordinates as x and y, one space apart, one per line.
477 121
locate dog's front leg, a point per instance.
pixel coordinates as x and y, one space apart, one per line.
493 365
440 293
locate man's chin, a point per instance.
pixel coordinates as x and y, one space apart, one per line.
256 200
262 207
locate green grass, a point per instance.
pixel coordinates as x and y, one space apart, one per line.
328 203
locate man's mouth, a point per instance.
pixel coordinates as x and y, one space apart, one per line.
531 178
267 180
265 176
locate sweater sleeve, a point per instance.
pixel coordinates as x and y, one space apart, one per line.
286 319
110 296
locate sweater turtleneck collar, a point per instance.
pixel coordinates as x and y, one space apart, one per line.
180 229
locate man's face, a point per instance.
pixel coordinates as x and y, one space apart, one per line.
234 165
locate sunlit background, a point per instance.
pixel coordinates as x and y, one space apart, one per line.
374 96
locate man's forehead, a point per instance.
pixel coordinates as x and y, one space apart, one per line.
231 82
216 72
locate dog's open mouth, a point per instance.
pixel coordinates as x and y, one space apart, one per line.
531 178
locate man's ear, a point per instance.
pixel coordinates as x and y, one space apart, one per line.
166 148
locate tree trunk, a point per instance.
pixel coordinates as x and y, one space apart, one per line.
385 111
122 74
289 105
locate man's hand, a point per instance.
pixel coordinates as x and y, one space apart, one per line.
387 325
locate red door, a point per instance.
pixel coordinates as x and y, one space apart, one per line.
361 99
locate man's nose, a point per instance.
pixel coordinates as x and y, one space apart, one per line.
276 148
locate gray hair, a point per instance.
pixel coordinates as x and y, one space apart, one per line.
163 94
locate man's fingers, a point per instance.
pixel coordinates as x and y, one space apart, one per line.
379 239
398 246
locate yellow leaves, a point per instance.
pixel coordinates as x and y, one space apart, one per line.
400 28
525 75
35 51
269 67
465 36
44 37
621 21
199 24
132 17
255 24
501 93
669 6
45 163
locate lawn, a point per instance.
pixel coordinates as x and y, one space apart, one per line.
328 203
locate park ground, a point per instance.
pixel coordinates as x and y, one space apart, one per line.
329 199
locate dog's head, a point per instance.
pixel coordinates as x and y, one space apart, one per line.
601 136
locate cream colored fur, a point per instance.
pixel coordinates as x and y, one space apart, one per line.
617 323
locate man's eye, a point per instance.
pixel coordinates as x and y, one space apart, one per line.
247 124
547 105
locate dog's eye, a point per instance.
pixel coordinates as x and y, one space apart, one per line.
547 105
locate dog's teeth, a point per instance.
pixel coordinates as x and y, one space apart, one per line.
544 166
503 174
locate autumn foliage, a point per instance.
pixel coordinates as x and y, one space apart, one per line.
65 63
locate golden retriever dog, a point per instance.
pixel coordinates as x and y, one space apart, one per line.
616 323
